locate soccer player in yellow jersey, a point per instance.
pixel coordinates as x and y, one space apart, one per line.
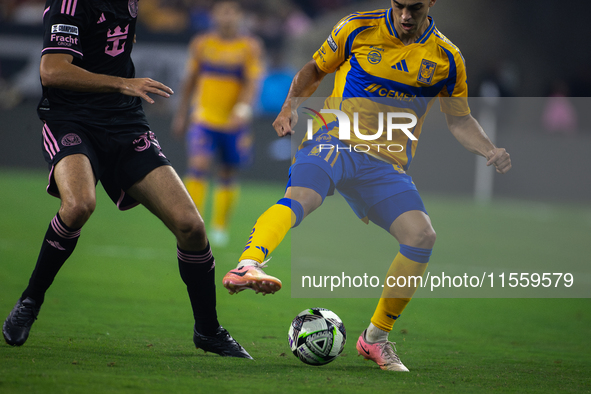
224 70
396 54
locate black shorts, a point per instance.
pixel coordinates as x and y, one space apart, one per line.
120 155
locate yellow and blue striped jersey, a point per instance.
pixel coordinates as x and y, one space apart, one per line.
223 66
376 72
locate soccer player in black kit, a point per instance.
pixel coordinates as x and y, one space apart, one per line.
94 129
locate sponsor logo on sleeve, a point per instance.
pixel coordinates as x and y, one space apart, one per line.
69 29
320 54
331 43
64 40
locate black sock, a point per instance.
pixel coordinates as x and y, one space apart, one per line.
198 272
58 245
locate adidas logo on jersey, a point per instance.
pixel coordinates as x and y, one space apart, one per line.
101 19
401 66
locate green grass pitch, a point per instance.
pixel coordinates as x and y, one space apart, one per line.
118 320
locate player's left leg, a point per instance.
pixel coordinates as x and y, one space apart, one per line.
163 193
412 228
416 237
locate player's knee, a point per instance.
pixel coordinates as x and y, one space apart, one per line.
75 211
190 231
426 237
308 198
423 237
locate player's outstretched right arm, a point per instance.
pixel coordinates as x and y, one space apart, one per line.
304 83
57 71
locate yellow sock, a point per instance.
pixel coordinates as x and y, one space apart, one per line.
197 188
404 275
225 198
268 232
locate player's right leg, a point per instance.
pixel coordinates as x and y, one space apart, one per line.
311 179
267 233
162 192
74 179
308 185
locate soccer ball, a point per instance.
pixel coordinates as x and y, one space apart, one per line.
317 336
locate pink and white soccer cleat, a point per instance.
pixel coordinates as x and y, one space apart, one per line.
382 353
251 277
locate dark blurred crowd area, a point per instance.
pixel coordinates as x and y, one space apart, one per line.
278 23
176 21
179 20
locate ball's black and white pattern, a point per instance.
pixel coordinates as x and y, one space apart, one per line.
317 336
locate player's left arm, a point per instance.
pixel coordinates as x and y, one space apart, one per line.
470 134
242 111
463 126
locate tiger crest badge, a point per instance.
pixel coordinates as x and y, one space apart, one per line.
426 72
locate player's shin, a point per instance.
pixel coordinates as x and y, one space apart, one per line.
58 244
403 279
197 270
270 229
267 234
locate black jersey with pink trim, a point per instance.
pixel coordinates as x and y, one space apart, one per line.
99 34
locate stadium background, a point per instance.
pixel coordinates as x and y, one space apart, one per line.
118 321
513 49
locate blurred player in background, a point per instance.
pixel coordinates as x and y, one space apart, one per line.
395 53
224 70
95 130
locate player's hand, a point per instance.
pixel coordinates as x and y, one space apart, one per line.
500 159
285 121
140 87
